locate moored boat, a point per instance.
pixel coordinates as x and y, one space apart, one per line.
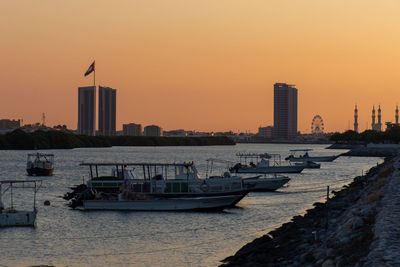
261 163
305 157
40 164
263 184
11 216
164 204
309 164
162 180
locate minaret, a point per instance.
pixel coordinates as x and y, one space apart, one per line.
373 118
379 126
356 119
397 115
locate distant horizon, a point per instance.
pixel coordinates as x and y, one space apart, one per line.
202 64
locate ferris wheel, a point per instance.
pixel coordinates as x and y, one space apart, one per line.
317 125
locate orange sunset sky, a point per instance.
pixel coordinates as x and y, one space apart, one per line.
201 65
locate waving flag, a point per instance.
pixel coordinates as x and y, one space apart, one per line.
90 69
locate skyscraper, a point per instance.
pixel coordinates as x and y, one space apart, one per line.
107 110
285 111
87 110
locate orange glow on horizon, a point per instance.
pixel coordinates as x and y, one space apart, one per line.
201 65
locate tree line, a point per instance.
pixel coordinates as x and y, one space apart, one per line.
391 135
19 139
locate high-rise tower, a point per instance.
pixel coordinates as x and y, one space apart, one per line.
397 115
107 111
285 111
356 119
87 110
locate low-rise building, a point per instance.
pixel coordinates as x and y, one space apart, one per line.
153 130
6 124
132 129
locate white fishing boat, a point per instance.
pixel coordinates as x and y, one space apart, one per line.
263 163
309 164
164 180
40 164
164 204
264 184
305 157
11 216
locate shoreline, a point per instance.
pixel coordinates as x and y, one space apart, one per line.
342 231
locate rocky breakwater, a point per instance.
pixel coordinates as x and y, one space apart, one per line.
340 232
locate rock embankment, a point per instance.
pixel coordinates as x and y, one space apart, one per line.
347 230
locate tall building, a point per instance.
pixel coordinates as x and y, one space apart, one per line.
285 111
373 125
132 129
153 130
87 110
356 119
107 111
397 115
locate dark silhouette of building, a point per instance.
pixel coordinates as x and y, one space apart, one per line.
285 111
107 111
87 110
132 129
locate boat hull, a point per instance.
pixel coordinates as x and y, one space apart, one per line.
314 159
39 172
164 204
265 184
17 218
271 169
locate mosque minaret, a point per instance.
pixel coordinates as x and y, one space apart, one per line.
379 124
356 119
373 118
397 115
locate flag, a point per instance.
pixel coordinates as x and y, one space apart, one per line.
90 69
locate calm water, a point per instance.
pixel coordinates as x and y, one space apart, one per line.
65 237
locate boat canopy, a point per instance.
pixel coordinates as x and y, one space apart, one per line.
255 155
125 164
9 185
149 169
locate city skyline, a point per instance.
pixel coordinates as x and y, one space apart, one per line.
210 64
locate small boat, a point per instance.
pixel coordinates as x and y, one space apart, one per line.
261 184
306 157
164 204
309 164
40 164
262 164
10 216
255 183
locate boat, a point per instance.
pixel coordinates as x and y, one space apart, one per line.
305 157
10 216
264 184
164 204
163 180
255 183
260 163
40 164
309 164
